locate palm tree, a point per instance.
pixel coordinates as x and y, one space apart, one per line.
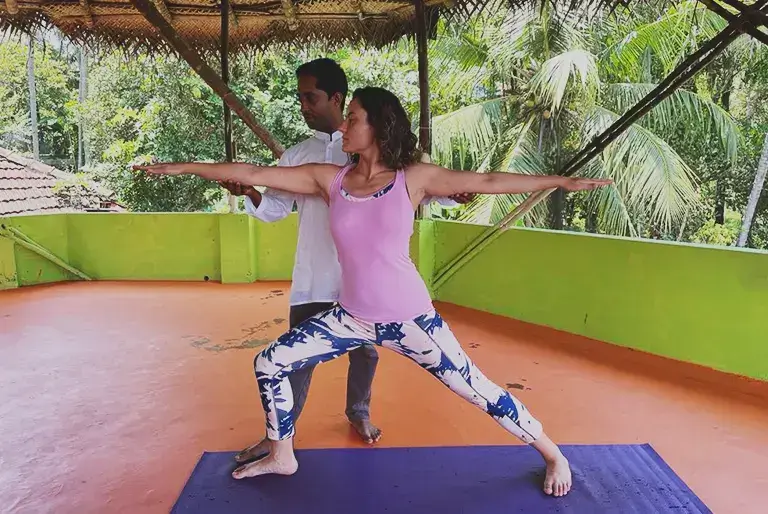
547 83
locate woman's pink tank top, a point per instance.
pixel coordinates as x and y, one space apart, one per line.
380 283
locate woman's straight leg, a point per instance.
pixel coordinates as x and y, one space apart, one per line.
428 341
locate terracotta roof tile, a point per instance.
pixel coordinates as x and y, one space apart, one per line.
27 186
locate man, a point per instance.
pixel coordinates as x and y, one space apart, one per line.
322 90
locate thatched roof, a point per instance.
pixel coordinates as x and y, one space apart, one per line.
253 23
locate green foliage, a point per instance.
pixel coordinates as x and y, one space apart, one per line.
722 235
56 81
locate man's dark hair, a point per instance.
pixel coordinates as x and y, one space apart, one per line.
329 75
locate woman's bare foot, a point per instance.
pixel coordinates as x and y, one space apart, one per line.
253 452
280 461
269 465
558 480
367 430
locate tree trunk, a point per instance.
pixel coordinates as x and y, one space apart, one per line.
82 152
591 221
558 209
557 200
720 203
724 99
754 195
33 96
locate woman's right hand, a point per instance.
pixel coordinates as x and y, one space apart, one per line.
585 184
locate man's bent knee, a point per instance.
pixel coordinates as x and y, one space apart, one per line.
366 352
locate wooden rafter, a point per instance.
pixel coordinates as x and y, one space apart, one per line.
87 12
756 15
232 16
162 8
12 6
754 19
189 54
289 10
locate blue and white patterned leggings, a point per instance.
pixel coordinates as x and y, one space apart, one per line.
427 340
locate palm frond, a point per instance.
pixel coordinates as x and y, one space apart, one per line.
551 81
670 38
651 176
459 59
470 131
609 202
701 114
515 153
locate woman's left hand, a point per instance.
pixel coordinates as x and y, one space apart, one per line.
584 184
161 169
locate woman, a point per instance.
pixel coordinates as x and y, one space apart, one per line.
383 299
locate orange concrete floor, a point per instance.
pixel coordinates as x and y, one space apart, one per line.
109 392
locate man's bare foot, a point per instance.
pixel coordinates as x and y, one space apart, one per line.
253 452
558 480
269 465
367 430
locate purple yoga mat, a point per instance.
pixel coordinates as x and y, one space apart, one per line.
446 480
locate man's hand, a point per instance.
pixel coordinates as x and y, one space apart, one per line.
463 198
237 188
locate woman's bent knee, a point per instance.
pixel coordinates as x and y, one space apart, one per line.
261 364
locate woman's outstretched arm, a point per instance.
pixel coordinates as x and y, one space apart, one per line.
308 179
437 181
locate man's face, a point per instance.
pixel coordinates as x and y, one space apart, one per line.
319 111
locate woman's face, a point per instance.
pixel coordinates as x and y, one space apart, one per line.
358 134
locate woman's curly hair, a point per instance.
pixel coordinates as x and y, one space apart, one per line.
391 127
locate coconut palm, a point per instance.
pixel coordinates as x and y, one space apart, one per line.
548 82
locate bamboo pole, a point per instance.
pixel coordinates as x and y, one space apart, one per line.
189 54
755 21
752 12
21 239
228 150
425 115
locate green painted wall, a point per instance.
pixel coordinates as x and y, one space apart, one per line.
422 249
699 304
276 247
237 263
112 246
132 246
